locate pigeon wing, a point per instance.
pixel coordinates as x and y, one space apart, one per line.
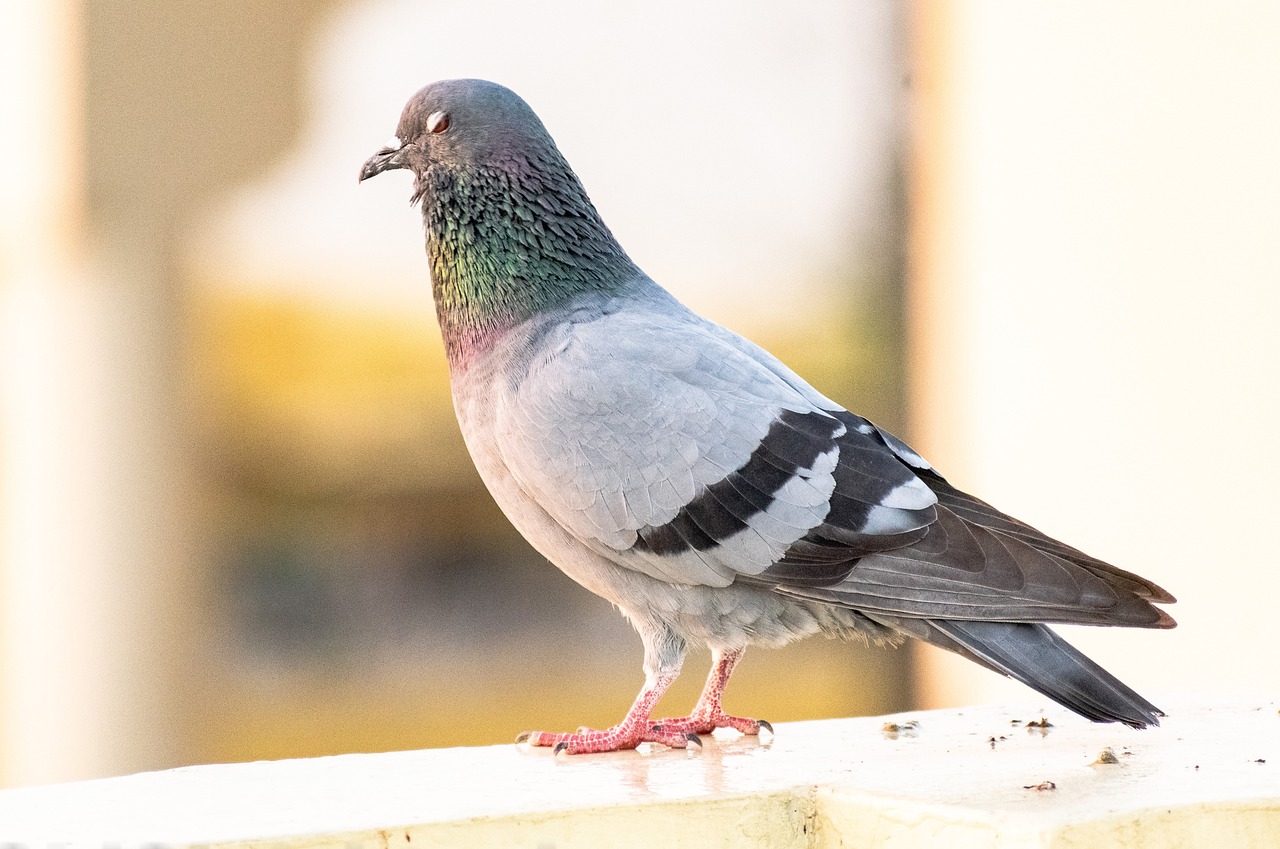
675 449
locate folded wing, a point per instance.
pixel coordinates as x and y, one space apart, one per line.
679 450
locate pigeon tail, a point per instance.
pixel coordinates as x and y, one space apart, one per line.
1038 657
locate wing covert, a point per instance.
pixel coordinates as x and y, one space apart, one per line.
673 453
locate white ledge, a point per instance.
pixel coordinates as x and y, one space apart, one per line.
1210 776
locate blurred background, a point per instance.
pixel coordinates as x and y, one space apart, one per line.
1040 241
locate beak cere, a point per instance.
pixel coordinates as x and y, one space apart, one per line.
386 159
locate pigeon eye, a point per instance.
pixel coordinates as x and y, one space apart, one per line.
437 122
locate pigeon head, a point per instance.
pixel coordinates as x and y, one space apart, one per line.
510 230
462 123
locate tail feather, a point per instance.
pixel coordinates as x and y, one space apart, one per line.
1038 657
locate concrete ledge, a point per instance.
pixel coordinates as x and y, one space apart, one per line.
967 778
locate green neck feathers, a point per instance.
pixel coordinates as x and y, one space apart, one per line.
505 243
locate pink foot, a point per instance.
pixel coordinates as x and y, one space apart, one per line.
705 724
638 727
625 735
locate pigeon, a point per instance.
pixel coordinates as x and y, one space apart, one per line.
692 479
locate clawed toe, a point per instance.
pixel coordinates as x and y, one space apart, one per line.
706 725
588 741
639 727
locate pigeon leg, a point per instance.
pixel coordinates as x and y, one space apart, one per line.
707 714
663 656
635 729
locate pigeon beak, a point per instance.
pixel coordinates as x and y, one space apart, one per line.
386 159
